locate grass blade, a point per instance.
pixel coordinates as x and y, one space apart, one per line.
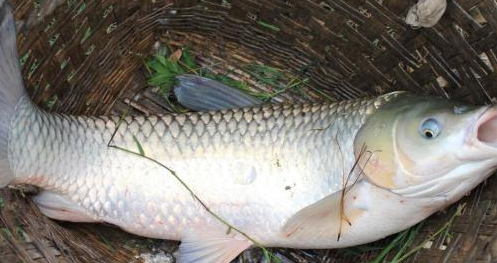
139 146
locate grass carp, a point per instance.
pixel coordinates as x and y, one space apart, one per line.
316 175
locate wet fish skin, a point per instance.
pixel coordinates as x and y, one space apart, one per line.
227 157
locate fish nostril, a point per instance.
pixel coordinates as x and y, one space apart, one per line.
487 131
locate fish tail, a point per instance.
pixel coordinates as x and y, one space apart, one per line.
11 86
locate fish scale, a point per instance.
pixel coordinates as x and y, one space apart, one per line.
225 157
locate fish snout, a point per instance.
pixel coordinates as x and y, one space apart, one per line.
485 129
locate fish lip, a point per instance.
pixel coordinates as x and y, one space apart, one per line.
488 113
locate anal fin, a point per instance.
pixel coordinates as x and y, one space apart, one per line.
204 246
60 207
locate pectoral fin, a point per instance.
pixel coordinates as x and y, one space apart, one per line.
330 215
205 246
203 94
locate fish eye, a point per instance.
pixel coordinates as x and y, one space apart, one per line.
430 128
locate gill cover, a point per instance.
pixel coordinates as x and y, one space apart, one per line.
374 144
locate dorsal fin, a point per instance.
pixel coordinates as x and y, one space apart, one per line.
203 94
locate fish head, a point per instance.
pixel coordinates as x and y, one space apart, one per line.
428 147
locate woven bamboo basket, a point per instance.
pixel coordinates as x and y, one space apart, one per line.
87 57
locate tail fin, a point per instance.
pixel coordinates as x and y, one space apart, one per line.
11 86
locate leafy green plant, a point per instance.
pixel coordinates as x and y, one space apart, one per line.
163 71
166 65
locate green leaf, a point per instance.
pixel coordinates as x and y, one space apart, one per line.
6 232
231 82
163 51
265 74
156 66
158 79
266 254
276 259
399 239
188 59
166 88
139 146
162 60
269 26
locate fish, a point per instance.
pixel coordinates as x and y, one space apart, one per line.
240 173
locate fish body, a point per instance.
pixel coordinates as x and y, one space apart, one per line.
323 175
253 166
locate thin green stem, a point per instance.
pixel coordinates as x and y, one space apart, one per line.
432 236
413 232
390 246
291 85
321 93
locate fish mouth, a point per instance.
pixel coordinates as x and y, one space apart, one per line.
486 127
